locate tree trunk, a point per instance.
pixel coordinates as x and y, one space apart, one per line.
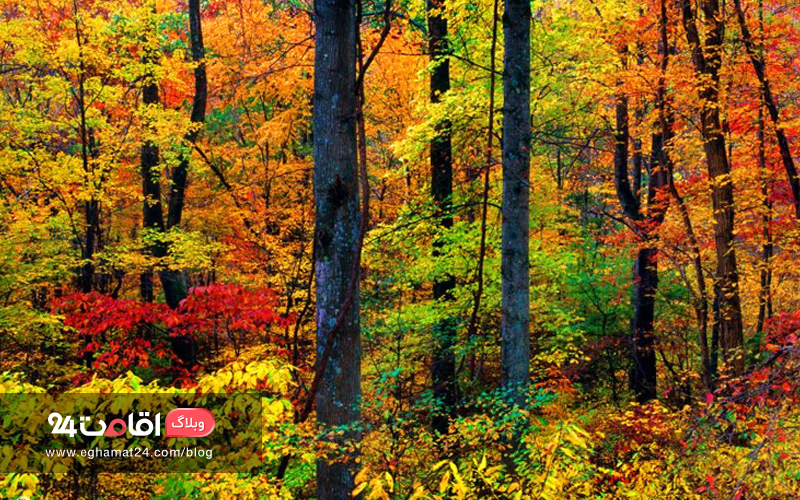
515 265
666 118
173 281
152 213
727 325
771 103
444 332
765 292
627 200
474 362
338 222
645 273
92 206
643 374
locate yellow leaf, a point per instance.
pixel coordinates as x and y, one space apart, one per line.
389 481
361 477
444 482
359 489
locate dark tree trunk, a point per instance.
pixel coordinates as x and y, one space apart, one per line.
515 265
666 119
765 293
645 271
173 282
91 243
198 117
627 199
445 386
152 213
91 207
707 60
338 225
643 373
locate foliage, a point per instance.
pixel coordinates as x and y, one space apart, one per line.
72 127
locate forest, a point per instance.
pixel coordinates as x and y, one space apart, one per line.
449 249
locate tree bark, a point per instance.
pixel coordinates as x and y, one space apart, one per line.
645 274
643 374
445 386
707 59
337 228
515 265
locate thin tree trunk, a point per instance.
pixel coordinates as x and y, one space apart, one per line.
472 326
707 60
771 103
445 385
198 116
627 200
338 226
515 265
765 292
91 206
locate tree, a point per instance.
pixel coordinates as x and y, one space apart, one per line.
152 212
172 281
760 67
645 220
707 60
444 332
91 209
515 265
337 233
643 380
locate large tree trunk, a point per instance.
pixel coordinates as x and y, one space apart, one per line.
172 281
645 277
515 265
643 374
152 213
338 222
444 332
707 61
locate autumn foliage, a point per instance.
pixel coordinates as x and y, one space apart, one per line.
161 234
